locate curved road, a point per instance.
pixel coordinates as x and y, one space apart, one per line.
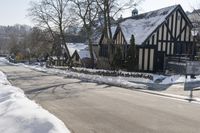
98 108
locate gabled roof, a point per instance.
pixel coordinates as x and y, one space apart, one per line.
85 54
79 48
72 47
113 30
141 26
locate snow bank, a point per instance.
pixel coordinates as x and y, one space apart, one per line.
18 114
179 79
135 82
3 61
118 81
135 75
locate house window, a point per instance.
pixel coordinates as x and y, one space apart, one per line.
103 51
77 58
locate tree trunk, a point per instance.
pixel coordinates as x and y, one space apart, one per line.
91 52
89 34
109 22
63 43
105 30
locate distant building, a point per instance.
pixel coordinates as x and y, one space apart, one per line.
82 58
80 55
159 35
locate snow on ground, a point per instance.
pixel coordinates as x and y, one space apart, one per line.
179 79
139 83
3 61
18 114
118 81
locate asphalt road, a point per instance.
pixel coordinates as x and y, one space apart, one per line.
98 108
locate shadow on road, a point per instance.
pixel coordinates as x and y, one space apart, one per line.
42 89
59 91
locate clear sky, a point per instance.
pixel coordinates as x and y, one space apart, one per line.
15 11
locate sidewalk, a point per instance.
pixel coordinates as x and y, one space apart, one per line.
176 90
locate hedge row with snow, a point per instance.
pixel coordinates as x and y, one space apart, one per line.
113 73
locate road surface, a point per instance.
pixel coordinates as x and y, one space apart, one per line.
87 107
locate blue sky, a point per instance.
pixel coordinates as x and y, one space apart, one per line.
15 11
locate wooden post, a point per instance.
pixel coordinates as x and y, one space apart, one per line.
191 94
191 90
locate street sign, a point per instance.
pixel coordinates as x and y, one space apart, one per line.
193 67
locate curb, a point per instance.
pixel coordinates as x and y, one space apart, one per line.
195 99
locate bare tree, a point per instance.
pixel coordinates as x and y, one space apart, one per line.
37 41
87 11
13 44
53 15
110 8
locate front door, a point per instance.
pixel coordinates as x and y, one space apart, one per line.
160 62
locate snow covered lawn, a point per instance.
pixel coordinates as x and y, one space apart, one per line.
137 82
118 81
18 114
124 81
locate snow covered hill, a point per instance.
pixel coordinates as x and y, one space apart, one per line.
18 114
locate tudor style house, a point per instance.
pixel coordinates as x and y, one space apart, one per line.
82 58
80 55
158 34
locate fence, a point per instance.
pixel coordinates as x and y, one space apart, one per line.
176 64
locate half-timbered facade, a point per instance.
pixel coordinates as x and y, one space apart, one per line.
158 34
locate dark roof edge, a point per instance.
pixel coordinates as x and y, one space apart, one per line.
161 24
177 7
133 17
184 13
